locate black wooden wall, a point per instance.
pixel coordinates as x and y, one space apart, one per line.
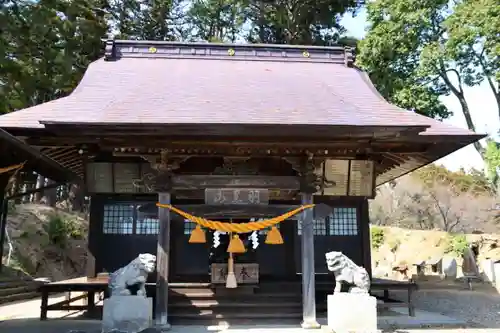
110 251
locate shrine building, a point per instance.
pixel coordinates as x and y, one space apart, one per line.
231 133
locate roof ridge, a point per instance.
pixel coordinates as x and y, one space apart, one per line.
117 49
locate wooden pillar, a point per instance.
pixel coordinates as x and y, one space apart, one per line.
94 232
162 260
308 278
365 236
3 213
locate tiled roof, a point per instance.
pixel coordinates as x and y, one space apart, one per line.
174 83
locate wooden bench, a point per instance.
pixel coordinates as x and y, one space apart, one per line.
392 285
90 287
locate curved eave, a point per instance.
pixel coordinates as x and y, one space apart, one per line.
404 163
16 151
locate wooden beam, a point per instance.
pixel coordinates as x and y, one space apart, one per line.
72 162
68 160
152 143
275 195
215 130
193 182
61 153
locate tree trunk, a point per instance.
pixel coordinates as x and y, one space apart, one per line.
76 197
470 124
50 194
40 182
459 94
14 184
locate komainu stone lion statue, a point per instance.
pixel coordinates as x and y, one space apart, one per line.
131 279
346 271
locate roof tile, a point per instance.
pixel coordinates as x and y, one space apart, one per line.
194 91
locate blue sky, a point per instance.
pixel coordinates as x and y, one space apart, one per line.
481 102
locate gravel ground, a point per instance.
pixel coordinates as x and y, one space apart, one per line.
478 308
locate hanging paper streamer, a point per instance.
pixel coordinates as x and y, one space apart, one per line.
217 239
254 237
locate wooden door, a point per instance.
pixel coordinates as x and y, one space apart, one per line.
190 262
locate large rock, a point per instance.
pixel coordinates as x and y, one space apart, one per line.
127 314
488 267
449 267
352 312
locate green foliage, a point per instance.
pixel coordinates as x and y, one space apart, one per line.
492 160
472 181
23 264
401 32
394 244
296 22
45 47
377 236
417 51
456 244
216 20
59 230
474 39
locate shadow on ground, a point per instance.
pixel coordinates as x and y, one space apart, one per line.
94 326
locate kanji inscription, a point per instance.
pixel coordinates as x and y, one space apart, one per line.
236 196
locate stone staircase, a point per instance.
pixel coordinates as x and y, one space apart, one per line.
17 289
199 303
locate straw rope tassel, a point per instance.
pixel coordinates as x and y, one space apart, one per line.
231 282
236 245
197 235
274 236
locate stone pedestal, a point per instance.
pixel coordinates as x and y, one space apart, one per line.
352 312
488 267
127 314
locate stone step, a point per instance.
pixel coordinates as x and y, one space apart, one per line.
186 291
224 322
19 297
247 307
230 303
189 285
11 279
18 290
211 294
210 314
17 283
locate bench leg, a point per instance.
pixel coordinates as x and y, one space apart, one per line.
91 302
411 308
44 305
68 298
386 295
